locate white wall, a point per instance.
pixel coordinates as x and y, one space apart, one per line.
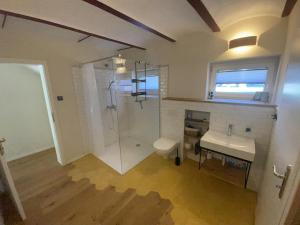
23 114
144 123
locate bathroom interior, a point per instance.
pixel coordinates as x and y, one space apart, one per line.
188 123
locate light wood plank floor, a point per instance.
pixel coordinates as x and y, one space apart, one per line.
50 197
154 192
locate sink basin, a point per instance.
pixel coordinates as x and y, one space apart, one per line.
239 147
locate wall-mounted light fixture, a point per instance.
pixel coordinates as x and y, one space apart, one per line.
241 42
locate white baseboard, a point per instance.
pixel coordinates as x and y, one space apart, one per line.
76 158
29 153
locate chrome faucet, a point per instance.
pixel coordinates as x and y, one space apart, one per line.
229 130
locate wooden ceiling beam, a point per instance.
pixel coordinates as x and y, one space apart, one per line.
4 20
205 14
84 38
128 19
289 5
8 13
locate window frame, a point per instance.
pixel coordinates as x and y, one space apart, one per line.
270 63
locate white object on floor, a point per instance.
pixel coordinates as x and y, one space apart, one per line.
239 147
164 146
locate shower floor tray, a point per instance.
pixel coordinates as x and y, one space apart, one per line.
133 151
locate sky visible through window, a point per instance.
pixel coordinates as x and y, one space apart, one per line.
152 83
241 81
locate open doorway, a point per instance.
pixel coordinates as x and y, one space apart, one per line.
26 114
27 124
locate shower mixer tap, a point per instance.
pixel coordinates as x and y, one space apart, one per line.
111 106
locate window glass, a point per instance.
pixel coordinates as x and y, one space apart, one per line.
152 83
241 81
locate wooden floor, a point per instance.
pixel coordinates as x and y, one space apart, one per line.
88 192
50 197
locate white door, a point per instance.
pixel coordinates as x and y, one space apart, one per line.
9 183
285 143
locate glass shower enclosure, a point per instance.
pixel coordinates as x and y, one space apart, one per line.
122 107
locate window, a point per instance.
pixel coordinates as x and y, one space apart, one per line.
152 83
242 79
126 86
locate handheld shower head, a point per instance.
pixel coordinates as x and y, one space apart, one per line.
110 84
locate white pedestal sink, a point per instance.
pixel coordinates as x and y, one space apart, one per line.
234 146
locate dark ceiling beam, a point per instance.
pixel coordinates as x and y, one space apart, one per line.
4 20
122 49
289 5
205 15
8 13
128 19
84 38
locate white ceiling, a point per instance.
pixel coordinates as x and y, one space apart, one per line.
170 17
80 15
57 40
228 12
177 17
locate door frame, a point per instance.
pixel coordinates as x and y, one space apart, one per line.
10 185
49 99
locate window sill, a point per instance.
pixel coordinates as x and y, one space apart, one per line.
224 101
241 102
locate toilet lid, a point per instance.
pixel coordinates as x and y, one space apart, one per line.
164 144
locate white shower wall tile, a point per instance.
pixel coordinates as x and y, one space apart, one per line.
259 119
164 76
81 105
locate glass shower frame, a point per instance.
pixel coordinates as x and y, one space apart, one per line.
136 116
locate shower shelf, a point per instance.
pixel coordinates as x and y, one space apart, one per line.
138 93
138 81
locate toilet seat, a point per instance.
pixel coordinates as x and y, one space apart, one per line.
164 145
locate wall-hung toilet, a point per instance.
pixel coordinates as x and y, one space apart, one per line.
166 146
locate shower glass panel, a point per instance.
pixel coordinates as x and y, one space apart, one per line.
138 112
128 93
106 85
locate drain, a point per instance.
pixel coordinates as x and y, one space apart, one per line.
138 145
